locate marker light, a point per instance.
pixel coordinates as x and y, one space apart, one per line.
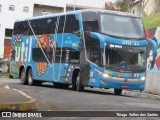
143 78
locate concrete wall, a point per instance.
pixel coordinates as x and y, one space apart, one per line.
151 7
153 75
39 10
137 8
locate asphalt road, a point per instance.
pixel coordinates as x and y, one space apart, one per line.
50 98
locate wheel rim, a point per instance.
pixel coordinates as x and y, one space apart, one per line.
30 78
23 76
77 81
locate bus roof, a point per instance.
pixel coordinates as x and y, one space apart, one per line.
79 11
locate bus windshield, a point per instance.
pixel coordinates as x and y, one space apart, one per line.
125 57
122 26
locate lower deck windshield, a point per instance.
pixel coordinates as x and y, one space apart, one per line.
125 57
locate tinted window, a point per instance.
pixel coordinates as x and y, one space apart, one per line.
68 55
43 26
90 21
48 26
92 49
61 24
13 54
21 28
72 24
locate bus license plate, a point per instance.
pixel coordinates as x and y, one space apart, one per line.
125 86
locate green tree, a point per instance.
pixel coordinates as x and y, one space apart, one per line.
125 4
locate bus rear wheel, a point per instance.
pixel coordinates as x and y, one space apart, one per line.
23 78
30 78
0 74
117 91
79 85
10 76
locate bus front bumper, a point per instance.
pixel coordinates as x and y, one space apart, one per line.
122 83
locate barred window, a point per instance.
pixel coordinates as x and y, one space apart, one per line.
11 8
25 9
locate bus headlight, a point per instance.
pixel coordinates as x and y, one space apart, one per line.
143 78
105 75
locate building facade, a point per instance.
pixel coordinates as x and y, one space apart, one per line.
145 7
11 10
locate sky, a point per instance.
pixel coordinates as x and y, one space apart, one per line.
111 0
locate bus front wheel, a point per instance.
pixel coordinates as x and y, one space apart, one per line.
79 85
117 91
23 77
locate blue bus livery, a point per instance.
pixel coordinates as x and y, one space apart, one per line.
94 48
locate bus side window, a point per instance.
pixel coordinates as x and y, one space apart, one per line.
94 54
90 21
13 54
61 24
21 28
74 56
43 26
92 49
72 20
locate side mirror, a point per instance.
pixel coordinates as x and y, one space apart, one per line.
154 39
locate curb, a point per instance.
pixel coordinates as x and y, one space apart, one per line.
141 94
18 106
21 106
134 93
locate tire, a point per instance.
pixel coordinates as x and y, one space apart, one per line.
56 85
23 78
10 76
0 74
30 78
117 91
79 85
37 83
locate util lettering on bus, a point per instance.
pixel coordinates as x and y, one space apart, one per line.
23 52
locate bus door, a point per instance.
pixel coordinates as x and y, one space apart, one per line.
16 56
14 70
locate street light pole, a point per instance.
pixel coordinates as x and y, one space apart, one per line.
74 5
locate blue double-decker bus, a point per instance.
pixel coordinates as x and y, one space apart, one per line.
84 48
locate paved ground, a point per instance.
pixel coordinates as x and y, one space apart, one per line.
49 98
14 100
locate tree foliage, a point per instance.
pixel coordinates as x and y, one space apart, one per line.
125 4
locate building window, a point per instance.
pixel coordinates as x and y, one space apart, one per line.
8 32
25 9
11 8
46 13
0 7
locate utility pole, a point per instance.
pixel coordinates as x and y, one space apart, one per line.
74 5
